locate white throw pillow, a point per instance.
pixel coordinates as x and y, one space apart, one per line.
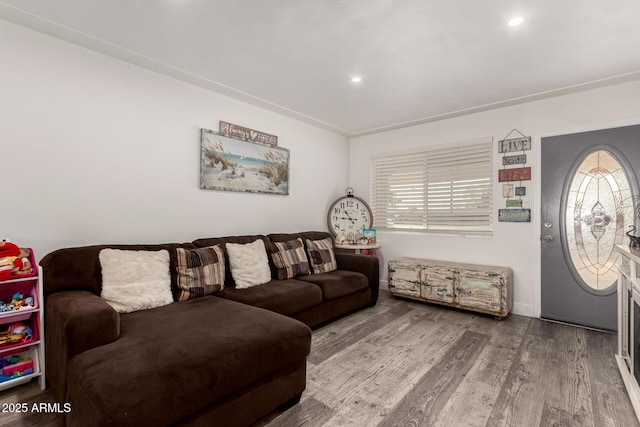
135 280
249 264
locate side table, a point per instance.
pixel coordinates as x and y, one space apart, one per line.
358 248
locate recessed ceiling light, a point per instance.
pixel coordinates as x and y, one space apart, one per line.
515 21
356 79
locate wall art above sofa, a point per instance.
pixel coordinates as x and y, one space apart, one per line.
231 164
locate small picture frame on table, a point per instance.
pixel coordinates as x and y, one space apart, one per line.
369 234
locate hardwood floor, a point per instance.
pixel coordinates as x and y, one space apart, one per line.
408 363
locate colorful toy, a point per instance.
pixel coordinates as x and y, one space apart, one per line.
15 366
18 301
17 333
13 260
18 367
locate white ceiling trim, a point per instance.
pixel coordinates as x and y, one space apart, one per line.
507 103
87 41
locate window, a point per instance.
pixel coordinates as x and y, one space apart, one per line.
443 189
599 209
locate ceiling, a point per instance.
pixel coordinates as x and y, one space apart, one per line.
420 60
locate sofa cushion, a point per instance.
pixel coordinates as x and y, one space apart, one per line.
249 264
321 255
286 297
135 280
210 241
200 271
79 268
338 283
171 362
289 259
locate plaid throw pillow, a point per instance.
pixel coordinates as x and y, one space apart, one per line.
200 271
289 259
321 255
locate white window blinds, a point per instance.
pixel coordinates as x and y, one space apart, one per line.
444 189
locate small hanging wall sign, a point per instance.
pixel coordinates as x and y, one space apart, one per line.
514 144
514 215
514 211
514 160
240 132
515 174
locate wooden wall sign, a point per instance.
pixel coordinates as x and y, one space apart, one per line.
514 203
514 160
514 144
514 215
235 131
515 174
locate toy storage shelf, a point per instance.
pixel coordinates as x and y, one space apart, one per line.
15 370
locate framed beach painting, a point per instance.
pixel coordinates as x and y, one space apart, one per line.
231 164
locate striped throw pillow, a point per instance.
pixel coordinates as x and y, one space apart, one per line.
321 255
200 271
289 259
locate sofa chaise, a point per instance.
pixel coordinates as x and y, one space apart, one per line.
223 355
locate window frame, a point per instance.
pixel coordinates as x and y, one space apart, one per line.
445 189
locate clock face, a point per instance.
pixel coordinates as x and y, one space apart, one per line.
348 216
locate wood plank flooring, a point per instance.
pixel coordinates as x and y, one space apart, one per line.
406 363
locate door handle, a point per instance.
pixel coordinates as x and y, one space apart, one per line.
547 237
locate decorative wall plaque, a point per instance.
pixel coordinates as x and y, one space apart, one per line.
240 132
515 174
514 144
514 215
514 211
507 190
514 160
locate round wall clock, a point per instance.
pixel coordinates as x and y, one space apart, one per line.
348 216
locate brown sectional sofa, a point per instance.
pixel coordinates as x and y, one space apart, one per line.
224 359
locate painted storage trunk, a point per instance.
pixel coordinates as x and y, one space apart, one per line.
405 278
438 283
486 289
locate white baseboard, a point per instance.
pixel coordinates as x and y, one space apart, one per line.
523 310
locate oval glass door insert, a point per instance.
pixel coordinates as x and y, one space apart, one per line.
598 202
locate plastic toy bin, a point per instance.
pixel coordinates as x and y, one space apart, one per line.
34 269
25 364
28 288
31 320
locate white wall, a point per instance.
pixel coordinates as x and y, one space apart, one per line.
94 150
516 245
